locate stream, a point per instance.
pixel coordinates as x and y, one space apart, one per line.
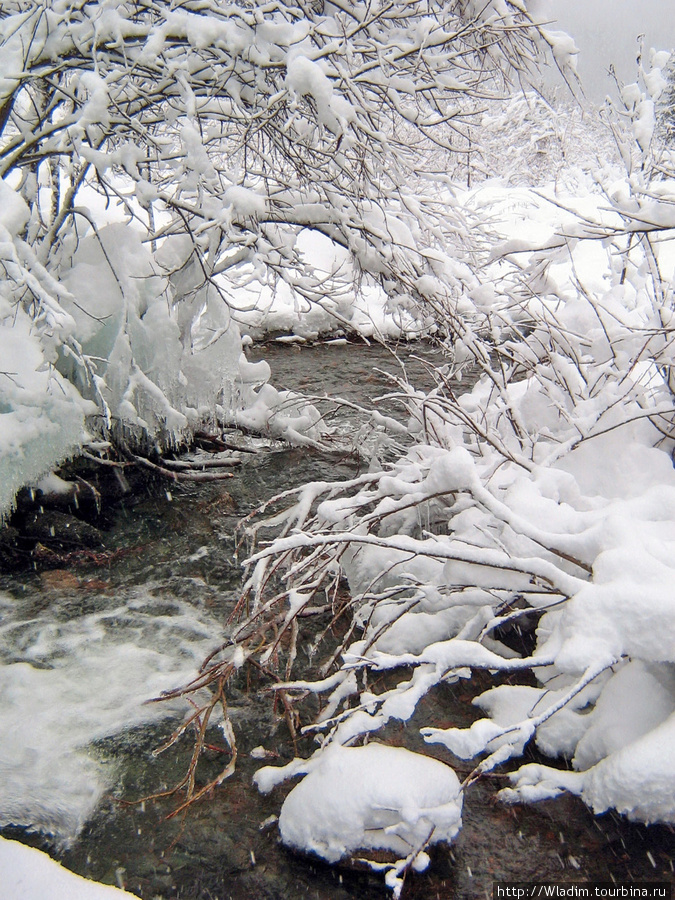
84 646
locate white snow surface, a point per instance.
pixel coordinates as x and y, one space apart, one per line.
374 797
29 874
42 416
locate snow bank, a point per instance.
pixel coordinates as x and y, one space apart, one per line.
352 304
29 874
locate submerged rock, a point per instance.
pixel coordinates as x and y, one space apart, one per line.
371 798
60 531
11 555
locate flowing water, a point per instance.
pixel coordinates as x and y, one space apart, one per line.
83 647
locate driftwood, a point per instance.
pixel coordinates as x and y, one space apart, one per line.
196 465
188 475
175 469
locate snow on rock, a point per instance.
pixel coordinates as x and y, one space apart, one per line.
29 874
372 798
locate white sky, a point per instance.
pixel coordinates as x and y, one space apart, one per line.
606 32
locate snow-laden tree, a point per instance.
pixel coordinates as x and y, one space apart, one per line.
665 104
158 159
528 531
527 140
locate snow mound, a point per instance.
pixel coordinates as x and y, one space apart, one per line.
373 798
625 756
29 874
637 780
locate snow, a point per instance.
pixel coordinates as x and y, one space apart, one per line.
42 417
14 212
95 109
638 698
244 202
306 77
366 311
371 798
29 874
566 500
637 780
564 49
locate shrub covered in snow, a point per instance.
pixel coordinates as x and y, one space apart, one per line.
162 168
541 501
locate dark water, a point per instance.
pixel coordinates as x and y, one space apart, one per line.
179 545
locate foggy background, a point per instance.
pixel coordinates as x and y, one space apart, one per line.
605 31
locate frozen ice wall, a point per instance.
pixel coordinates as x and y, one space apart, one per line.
123 343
